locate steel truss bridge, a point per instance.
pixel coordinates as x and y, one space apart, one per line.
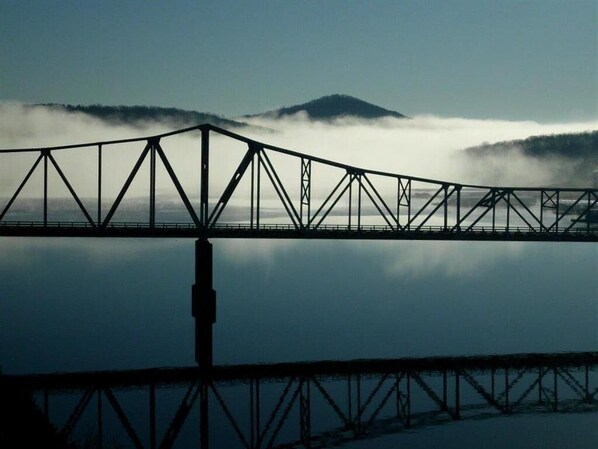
271 192
321 199
322 404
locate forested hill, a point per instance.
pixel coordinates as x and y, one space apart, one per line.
332 107
576 146
137 115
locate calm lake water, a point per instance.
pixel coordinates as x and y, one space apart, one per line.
71 305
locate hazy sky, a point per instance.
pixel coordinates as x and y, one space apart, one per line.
482 59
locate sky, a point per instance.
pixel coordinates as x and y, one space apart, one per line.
513 60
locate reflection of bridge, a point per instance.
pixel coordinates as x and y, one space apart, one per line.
315 199
322 199
321 404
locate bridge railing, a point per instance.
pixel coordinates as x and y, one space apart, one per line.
276 188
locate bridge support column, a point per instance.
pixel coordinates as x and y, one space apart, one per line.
203 303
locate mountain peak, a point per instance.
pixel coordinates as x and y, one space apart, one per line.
335 106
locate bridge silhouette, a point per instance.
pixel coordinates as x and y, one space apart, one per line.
272 192
352 202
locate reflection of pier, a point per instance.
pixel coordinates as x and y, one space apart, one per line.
318 404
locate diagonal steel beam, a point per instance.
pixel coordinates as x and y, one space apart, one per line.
232 185
77 412
587 210
432 198
492 202
14 197
127 184
122 416
444 202
432 395
178 185
514 195
393 226
558 219
181 415
279 187
328 198
230 417
275 411
71 190
331 401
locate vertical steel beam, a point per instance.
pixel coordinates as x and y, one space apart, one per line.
47 404
509 211
252 195
408 401
358 424
305 190
99 184
555 405
445 207
254 414
444 393
45 154
205 175
542 193
457 414
251 406
100 421
359 204
507 388
458 211
152 415
398 395
257 413
540 375
494 210
152 186
350 199
305 414
556 229
258 191
204 413
349 399
588 214
587 384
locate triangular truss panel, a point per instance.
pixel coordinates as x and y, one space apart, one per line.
22 185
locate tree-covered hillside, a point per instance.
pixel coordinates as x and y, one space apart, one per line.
135 115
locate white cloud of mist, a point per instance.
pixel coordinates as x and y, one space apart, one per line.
424 146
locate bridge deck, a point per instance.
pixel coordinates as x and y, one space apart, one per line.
321 369
284 231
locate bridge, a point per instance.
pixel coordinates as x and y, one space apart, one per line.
224 185
305 197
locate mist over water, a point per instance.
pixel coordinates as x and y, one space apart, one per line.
424 146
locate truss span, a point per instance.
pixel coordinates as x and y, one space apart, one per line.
230 186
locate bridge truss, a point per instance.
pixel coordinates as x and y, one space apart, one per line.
278 193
